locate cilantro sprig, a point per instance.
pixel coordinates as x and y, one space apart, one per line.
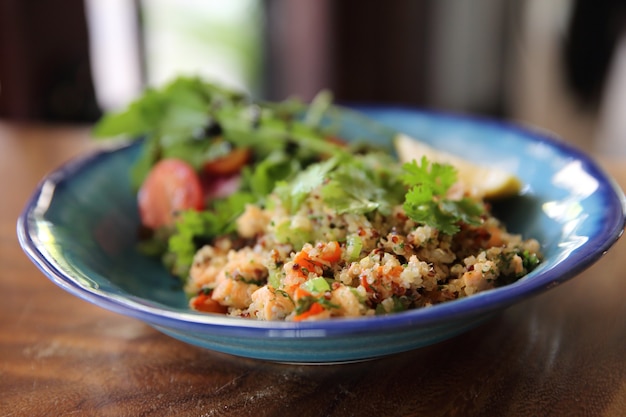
426 201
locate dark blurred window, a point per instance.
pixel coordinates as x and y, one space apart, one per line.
429 53
45 72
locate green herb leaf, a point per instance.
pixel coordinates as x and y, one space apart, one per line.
262 178
426 201
435 177
195 228
293 194
530 260
304 304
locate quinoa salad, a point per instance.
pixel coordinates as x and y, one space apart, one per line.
261 211
317 261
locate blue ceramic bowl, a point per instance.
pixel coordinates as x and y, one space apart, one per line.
80 226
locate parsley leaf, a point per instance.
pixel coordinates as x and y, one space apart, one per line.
294 193
262 178
426 201
362 184
436 177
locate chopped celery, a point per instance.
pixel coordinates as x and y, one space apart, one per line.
354 244
316 285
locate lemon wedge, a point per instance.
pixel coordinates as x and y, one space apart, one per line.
477 180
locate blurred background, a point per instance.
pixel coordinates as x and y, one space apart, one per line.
558 65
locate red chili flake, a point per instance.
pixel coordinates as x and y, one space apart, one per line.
397 289
401 216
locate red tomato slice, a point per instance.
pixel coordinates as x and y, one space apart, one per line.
229 164
171 186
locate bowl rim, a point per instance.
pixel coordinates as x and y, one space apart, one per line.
477 304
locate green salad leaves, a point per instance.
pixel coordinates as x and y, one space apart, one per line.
180 120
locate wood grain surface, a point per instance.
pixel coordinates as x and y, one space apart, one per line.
562 353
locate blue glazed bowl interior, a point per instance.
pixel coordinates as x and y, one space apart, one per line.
80 228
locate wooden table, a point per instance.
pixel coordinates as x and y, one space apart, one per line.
560 354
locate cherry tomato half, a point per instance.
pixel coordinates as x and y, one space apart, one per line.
171 186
